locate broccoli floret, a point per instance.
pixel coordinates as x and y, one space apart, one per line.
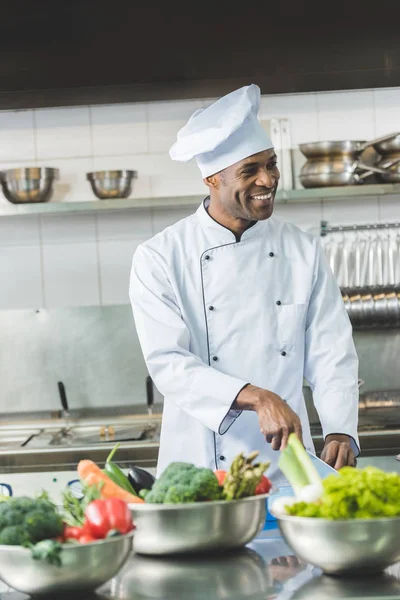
48 550
37 518
14 535
41 525
184 483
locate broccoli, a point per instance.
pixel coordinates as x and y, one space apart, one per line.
183 483
48 550
41 525
37 518
14 535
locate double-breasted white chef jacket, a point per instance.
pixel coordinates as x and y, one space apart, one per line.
213 314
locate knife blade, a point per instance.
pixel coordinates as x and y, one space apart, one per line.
323 469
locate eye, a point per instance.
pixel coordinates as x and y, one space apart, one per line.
273 165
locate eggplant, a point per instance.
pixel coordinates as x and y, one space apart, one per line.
140 479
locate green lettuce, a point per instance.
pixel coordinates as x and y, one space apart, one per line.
367 493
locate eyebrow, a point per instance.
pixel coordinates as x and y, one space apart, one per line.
251 165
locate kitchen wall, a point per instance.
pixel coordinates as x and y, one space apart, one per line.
80 260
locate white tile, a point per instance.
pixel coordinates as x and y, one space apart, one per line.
72 185
387 110
124 225
17 140
165 120
62 132
300 109
171 178
164 217
115 265
119 129
71 274
346 115
58 229
141 163
306 215
350 211
20 274
19 230
389 208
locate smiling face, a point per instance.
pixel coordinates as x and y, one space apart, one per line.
245 192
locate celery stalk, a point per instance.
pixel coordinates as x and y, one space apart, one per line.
299 470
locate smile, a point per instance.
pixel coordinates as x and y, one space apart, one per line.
263 197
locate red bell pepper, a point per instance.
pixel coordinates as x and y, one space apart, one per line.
220 475
103 516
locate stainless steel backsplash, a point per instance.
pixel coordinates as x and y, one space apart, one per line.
95 351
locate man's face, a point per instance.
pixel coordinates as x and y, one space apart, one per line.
247 189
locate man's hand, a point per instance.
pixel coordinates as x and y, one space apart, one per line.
337 452
277 420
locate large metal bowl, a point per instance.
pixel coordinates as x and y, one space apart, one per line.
28 185
111 184
163 529
84 567
354 546
239 574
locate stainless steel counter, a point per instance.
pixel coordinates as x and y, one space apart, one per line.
37 446
264 570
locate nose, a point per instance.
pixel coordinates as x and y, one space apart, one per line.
267 178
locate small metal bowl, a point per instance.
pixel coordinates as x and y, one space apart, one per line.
111 184
26 185
352 546
84 567
163 529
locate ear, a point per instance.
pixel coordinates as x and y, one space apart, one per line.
212 182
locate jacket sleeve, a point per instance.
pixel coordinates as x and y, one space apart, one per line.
331 363
183 378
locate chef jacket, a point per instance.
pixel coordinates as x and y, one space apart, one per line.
213 314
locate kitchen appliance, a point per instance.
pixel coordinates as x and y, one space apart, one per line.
111 184
28 185
339 163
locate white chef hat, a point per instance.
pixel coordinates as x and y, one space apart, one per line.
224 133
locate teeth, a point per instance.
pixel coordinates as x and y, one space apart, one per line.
263 197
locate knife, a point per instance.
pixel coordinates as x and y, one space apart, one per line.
323 469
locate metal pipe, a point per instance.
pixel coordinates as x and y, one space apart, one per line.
325 229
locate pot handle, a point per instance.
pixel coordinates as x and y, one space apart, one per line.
384 138
369 170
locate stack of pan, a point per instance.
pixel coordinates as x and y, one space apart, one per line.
373 309
339 163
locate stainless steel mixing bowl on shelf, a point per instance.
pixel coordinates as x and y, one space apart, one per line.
111 184
28 185
163 529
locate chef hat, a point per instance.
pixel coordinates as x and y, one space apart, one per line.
224 133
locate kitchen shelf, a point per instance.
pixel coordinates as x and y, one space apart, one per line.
293 196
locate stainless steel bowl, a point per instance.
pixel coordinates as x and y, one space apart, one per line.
239 574
25 185
111 184
84 567
344 547
163 529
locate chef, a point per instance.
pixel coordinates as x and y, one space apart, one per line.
233 307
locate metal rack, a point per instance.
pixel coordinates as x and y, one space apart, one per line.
325 228
366 264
